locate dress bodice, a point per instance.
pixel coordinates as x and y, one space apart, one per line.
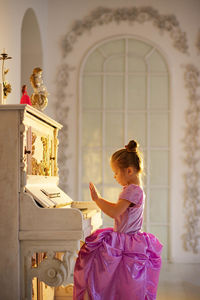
131 220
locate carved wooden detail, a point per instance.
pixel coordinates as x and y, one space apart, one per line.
23 158
42 167
55 149
54 269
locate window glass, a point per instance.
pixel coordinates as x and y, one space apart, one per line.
159 205
138 48
92 92
156 63
114 129
158 133
136 128
158 93
94 159
94 62
91 129
136 64
112 193
108 174
115 64
137 92
158 167
113 47
114 92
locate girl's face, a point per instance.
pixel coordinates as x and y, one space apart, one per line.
121 175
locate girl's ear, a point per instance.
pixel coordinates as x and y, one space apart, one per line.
130 170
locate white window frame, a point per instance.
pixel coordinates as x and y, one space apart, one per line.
147 222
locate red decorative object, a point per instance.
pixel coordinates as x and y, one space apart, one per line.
25 99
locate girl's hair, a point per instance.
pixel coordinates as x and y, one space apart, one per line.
129 156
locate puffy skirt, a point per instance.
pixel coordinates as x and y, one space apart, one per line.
118 266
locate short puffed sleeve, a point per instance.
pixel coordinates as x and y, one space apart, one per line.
132 193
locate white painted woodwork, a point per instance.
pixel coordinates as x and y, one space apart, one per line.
32 221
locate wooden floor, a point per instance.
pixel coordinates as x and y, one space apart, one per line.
177 282
178 291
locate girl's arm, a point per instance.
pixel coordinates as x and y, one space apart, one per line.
113 210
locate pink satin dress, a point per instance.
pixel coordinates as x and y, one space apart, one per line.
120 263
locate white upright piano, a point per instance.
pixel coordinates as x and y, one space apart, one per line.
36 216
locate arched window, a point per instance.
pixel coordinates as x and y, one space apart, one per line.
124 94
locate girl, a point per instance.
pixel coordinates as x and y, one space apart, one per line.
122 263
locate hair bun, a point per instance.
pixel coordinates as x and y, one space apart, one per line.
132 146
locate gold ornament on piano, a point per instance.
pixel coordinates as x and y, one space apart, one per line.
55 152
39 97
42 167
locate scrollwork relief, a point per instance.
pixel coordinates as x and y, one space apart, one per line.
52 272
198 42
192 160
98 17
62 110
105 15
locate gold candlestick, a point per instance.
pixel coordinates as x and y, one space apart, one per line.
6 86
1 94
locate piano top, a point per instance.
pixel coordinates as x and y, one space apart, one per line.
33 111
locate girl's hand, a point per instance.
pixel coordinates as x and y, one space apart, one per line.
93 191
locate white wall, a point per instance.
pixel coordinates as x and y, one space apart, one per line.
31 48
187 13
11 17
55 19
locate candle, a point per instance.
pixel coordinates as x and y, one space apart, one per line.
1 94
4 51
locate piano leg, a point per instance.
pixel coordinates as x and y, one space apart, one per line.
26 277
53 271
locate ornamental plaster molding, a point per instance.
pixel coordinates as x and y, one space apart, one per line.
198 42
62 109
104 15
191 237
98 17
